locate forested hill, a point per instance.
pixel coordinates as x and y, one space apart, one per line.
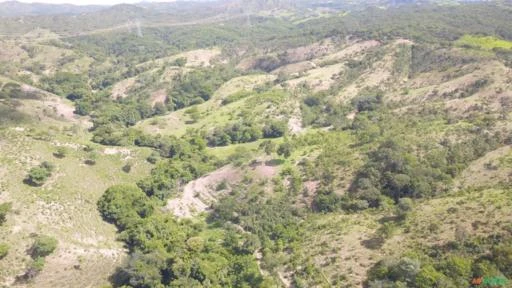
256 144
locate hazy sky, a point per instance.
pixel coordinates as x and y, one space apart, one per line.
86 2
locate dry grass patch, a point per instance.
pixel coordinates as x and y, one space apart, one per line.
65 208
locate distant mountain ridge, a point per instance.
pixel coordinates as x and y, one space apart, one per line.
16 9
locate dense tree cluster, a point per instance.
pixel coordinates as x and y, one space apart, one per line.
72 86
235 133
244 132
165 252
197 86
396 173
184 160
399 165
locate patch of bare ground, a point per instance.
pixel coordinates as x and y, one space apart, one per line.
122 87
265 169
195 58
490 169
242 83
295 68
164 124
64 208
69 260
377 76
295 125
311 189
285 278
319 78
247 63
170 73
452 86
349 52
352 115
200 57
314 50
158 96
70 145
123 152
61 108
295 122
299 55
49 106
403 41
340 247
476 213
198 195
9 52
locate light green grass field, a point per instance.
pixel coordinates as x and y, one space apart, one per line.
484 42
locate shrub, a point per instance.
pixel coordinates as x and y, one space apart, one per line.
124 205
91 158
386 230
368 102
4 250
223 185
405 270
4 209
61 152
88 148
429 277
127 167
502 256
405 205
37 176
154 157
268 147
240 156
484 268
180 62
457 268
43 246
48 166
274 129
35 267
285 149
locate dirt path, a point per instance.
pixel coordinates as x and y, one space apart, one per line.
295 122
284 279
159 96
121 88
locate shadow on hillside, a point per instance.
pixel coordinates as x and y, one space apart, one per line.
387 219
373 243
274 162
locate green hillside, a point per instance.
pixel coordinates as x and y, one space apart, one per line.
257 144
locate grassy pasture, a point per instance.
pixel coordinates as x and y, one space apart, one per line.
483 42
